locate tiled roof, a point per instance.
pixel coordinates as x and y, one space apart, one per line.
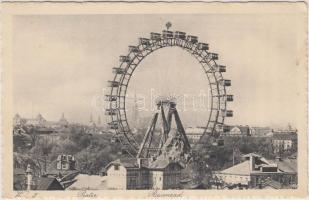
90 182
284 136
19 171
260 130
45 183
159 164
241 169
251 154
133 163
126 162
287 165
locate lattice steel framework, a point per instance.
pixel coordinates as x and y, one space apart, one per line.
128 63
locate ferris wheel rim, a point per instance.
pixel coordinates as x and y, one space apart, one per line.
142 52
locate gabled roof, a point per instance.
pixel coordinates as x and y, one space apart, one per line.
90 182
125 162
240 169
46 183
287 165
159 164
162 164
251 154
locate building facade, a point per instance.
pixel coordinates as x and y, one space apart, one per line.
127 174
284 141
194 134
255 169
66 162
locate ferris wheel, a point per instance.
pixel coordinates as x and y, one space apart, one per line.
116 98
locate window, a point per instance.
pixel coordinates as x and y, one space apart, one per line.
116 167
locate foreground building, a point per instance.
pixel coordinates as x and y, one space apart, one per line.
133 173
255 169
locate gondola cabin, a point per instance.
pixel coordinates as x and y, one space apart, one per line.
115 139
226 129
113 84
113 125
134 49
229 97
167 34
226 82
124 59
202 46
213 56
227 113
110 98
110 111
221 68
118 70
155 36
192 39
144 41
180 35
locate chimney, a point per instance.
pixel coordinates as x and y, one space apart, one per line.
139 162
29 177
252 162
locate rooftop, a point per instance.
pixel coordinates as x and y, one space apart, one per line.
285 136
287 165
240 169
89 182
45 183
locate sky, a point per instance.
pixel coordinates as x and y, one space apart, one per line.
61 64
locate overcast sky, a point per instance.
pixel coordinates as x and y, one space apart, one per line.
61 64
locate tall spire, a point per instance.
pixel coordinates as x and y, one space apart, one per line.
99 120
91 118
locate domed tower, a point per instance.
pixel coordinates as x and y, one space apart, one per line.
17 120
63 121
40 119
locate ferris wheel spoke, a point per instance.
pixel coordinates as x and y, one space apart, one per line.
146 46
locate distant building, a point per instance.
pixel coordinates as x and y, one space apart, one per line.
18 121
139 174
284 141
256 169
66 162
238 130
63 121
194 134
261 132
39 121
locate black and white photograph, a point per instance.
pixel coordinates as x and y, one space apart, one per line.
176 101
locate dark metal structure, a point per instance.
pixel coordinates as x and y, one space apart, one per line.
150 148
128 63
